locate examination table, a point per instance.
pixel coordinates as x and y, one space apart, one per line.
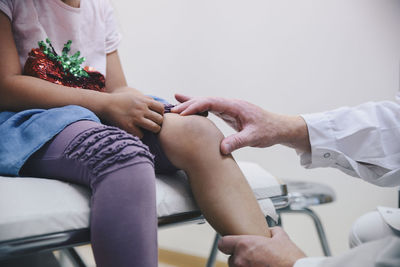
39 215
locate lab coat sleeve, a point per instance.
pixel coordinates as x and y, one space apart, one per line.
379 253
310 262
362 141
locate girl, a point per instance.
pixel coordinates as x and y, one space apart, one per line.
91 137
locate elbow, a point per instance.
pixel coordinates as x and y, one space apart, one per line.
6 91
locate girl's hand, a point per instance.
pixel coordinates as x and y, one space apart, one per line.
132 111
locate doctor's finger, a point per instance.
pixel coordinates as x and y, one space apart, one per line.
235 141
182 98
195 107
228 243
278 232
181 107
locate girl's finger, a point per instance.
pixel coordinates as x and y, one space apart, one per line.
154 116
149 125
156 106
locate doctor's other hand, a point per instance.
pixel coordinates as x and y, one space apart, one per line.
258 251
255 126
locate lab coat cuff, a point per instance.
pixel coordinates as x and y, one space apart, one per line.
310 262
322 140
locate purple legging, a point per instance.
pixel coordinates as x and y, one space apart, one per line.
119 170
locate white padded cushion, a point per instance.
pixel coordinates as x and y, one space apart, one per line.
33 206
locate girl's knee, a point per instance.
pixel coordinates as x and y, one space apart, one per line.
186 138
189 132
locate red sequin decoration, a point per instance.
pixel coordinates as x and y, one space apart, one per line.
40 66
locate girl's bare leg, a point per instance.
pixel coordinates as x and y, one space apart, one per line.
192 144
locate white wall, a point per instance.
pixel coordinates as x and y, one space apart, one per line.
286 56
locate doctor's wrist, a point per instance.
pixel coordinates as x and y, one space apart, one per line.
295 133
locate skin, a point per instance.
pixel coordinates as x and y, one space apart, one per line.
256 251
73 3
255 127
191 143
219 187
126 108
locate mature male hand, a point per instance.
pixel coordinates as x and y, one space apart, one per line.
256 127
258 251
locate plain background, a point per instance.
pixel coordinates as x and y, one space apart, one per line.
290 57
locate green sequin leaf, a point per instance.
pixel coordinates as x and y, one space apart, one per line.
70 64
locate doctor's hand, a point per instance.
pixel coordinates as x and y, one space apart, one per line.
256 127
258 251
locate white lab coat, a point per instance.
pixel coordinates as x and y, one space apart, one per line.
364 142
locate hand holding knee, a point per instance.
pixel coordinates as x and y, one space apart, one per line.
277 251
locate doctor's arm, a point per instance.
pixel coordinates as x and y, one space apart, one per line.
362 141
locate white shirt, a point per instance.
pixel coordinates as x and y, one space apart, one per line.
362 141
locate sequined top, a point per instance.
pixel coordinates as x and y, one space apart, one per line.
23 133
